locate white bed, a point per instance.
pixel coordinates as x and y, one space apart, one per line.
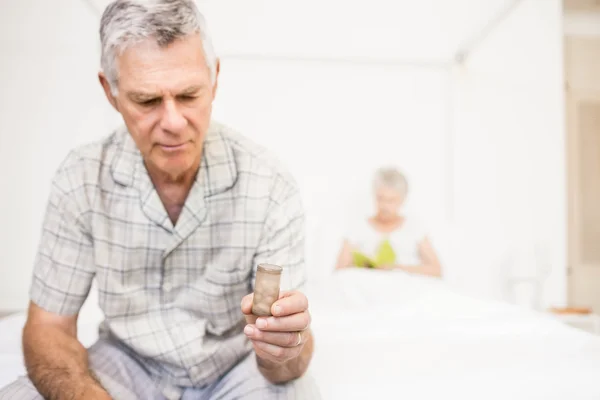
390 335
387 335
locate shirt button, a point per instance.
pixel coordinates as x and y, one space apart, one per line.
167 287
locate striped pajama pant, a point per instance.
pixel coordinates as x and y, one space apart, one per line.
125 379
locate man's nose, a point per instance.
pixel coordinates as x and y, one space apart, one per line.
172 119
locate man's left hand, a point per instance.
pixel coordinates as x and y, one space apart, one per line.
281 337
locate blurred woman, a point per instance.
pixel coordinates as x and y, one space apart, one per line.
389 239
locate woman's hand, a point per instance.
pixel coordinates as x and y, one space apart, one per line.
344 259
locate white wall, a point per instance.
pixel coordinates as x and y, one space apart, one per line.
49 101
333 123
422 31
510 190
331 119
332 106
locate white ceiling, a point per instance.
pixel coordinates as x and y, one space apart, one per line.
404 30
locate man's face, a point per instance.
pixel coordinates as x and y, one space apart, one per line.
165 97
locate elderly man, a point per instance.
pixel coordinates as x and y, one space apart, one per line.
171 215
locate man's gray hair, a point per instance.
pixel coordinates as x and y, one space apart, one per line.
392 178
126 22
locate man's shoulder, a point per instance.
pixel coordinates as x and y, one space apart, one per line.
253 159
85 161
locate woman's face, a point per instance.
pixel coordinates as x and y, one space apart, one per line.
388 201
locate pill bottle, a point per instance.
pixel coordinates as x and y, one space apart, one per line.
266 288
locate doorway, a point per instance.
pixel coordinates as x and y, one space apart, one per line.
582 69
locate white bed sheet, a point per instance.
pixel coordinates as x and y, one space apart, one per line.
387 335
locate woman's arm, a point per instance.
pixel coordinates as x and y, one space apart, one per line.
430 264
344 259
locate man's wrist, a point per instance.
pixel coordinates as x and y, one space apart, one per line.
95 392
272 371
267 365
290 369
92 388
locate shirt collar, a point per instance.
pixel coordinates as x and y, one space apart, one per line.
218 170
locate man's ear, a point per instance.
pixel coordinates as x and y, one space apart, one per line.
216 84
107 90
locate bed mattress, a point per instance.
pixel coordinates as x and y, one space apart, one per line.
388 335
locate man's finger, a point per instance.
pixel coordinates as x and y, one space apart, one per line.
291 323
277 352
282 339
290 303
247 304
250 318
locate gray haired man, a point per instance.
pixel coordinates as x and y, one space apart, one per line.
170 215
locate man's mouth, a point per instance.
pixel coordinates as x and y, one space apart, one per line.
172 147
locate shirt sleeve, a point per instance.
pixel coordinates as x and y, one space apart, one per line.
63 269
283 239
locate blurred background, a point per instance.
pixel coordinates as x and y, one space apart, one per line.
491 108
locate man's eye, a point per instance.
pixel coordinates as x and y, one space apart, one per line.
187 98
150 102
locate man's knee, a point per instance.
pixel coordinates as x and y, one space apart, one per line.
304 387
299 389
21 389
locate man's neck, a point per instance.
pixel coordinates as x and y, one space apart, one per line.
173 190
182 182
162 179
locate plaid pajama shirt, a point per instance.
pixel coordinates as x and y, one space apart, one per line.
170 294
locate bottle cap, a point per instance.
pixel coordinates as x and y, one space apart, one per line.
269 268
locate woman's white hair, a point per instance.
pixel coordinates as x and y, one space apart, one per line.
392 178
126 22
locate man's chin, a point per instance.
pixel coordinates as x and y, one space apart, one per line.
175 169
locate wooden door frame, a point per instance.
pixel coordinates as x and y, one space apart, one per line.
572 99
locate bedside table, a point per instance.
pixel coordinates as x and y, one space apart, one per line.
585 320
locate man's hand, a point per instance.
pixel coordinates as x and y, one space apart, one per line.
282 342
281 337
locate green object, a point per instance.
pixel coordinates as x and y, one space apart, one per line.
385 256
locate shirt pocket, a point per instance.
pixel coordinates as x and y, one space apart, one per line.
218 295
126 281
